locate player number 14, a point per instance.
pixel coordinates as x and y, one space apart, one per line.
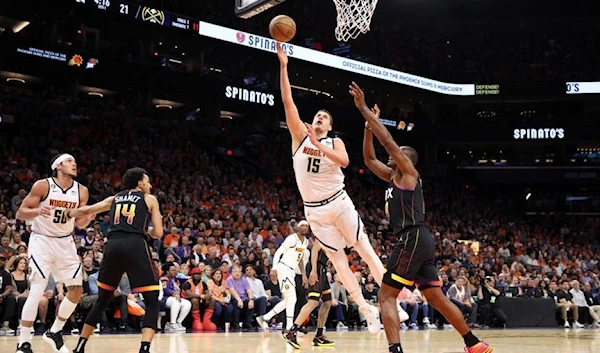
313 165
125 210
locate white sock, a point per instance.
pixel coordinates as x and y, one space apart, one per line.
25 334
65 310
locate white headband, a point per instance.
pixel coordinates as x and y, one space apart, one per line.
60 159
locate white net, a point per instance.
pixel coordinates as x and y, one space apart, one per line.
354 18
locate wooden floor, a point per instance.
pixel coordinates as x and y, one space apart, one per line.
433 341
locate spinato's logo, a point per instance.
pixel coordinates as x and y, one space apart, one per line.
249 96
539 134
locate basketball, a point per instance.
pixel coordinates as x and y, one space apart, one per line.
282 28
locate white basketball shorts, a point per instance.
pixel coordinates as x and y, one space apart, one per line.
56 256
287 278
337 224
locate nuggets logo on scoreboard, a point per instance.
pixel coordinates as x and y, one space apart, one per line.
153 15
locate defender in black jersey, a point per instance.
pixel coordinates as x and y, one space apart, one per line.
318 289
411 262
127 251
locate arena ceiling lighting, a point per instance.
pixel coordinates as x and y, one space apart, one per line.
15 79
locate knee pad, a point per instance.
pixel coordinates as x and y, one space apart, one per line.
152 310
36 291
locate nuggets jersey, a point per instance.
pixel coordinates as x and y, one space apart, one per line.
57 225
317 176
292 250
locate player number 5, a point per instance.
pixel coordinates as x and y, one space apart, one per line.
125 211
313 165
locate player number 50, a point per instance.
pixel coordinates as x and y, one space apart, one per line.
59 217
313 165
126 210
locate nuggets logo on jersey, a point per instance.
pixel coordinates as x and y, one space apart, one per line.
318 177
57 225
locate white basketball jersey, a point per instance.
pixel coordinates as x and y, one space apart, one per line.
317 176
293 249
57 225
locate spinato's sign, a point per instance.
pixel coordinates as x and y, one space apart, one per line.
247 95
539 134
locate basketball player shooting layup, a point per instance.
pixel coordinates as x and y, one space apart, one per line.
285 261
52 248
412 260
329 210
127 251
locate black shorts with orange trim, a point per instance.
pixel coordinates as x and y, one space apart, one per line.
412 260
128 252
321 290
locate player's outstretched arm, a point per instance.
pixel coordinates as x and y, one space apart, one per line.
157 223
375 165
84 196
292 117
382 133
29 208
96 208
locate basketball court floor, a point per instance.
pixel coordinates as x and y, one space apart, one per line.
432 341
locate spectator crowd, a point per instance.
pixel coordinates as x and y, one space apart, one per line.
224 219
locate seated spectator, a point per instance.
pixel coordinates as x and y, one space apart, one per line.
409 305
197 292
459 294
424 307
230 256
581 302
184 251
564 302
89 239
242 297
258 289
206 273
5 249
7 300
179 307
221 297
594 308
542 291
273 294
339 301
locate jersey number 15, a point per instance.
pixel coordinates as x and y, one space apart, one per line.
125 210
313 165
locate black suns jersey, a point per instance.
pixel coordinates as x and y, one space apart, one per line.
129 213
405 207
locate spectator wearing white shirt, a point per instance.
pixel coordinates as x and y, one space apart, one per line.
258 289
230 257
580 300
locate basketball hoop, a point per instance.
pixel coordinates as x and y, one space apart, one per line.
353 18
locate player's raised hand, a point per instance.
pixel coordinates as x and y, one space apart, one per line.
312 135
376 111
358 94
45 211
282 55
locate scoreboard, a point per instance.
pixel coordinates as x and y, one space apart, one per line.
143 13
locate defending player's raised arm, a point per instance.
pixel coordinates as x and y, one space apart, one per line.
96 208
292 117
382 133
84 196
157 224
370 158
30 207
